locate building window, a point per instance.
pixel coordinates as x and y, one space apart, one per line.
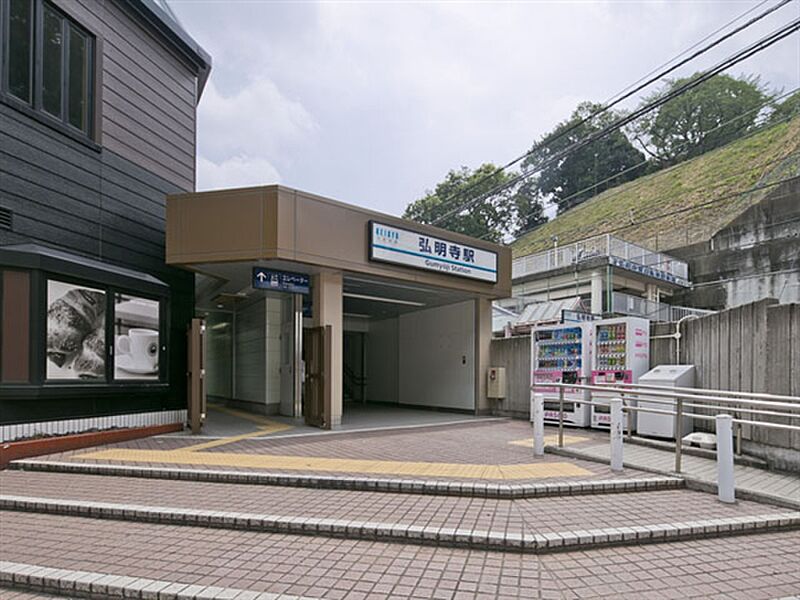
60 84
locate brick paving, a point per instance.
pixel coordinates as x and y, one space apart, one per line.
533 515
489 444
759 566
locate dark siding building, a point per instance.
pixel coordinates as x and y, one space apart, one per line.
97 125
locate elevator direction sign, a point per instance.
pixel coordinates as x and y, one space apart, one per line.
391 244
281 281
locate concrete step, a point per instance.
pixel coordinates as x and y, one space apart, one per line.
88 584
752 483
523 525
435 487
489 536
758 567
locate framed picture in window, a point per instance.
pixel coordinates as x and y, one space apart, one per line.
76 332
136 338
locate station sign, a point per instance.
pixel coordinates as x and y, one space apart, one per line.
281 281
422 251
576 316
648 271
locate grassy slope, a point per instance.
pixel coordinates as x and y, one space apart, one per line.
727 171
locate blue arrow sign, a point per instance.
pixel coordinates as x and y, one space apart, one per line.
281 281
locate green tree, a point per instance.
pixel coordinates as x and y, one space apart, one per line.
787 109
588 170
708 116
489 218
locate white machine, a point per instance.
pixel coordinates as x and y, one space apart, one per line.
562 354
656 424
621 355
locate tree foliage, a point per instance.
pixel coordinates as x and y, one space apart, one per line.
788 109
588 170
490 218
708 116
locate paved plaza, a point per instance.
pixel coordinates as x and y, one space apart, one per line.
461 510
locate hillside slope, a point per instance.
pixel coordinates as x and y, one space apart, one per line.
683 204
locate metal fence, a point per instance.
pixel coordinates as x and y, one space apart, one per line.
627 304
730 411
598 246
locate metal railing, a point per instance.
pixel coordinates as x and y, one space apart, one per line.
627 304
728 404
600 246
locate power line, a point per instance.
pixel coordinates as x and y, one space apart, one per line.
762 44
630 90
702 206
644 180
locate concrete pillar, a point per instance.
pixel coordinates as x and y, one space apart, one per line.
616 434
537 418
597 292
327 310
483 341
651 292
726 482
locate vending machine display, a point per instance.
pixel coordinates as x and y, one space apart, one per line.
562 354
621 355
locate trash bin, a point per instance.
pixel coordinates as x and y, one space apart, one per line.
660 425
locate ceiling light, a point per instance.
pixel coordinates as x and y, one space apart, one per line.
381 299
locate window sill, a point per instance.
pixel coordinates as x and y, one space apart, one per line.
48 121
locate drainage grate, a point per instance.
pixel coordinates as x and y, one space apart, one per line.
6 218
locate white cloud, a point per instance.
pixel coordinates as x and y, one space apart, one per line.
373 103
236 171
256 120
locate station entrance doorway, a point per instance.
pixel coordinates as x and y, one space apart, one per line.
314 306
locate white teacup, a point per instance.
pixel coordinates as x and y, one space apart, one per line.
142 346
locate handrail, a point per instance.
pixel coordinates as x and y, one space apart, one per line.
668 393
681 397
759 395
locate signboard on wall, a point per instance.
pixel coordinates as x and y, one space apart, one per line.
422 251
281 281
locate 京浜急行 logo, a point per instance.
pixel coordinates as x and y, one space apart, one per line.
386 236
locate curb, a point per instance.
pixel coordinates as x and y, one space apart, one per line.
85 584
692 483
393 532
471 489
10 451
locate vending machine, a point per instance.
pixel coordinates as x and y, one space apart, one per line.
562 354
621 355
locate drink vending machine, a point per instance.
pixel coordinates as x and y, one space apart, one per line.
621 355
562 354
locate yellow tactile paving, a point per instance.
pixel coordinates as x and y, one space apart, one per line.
267 427
337 465
551 440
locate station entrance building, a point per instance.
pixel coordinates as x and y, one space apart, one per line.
311 304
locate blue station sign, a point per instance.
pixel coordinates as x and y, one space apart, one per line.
281 281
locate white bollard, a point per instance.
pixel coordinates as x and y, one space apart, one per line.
616 434
725 480
537 418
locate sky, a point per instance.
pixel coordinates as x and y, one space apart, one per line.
373 103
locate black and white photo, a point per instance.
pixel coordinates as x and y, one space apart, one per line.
76 331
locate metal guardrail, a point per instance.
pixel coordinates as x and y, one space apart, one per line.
601 245
722 401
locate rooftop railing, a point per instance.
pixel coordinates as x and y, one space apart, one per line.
619 252
637 306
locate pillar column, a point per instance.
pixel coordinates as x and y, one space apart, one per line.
483 340
597 293
327 310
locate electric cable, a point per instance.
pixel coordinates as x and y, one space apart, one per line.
632 89
636 183
759 46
